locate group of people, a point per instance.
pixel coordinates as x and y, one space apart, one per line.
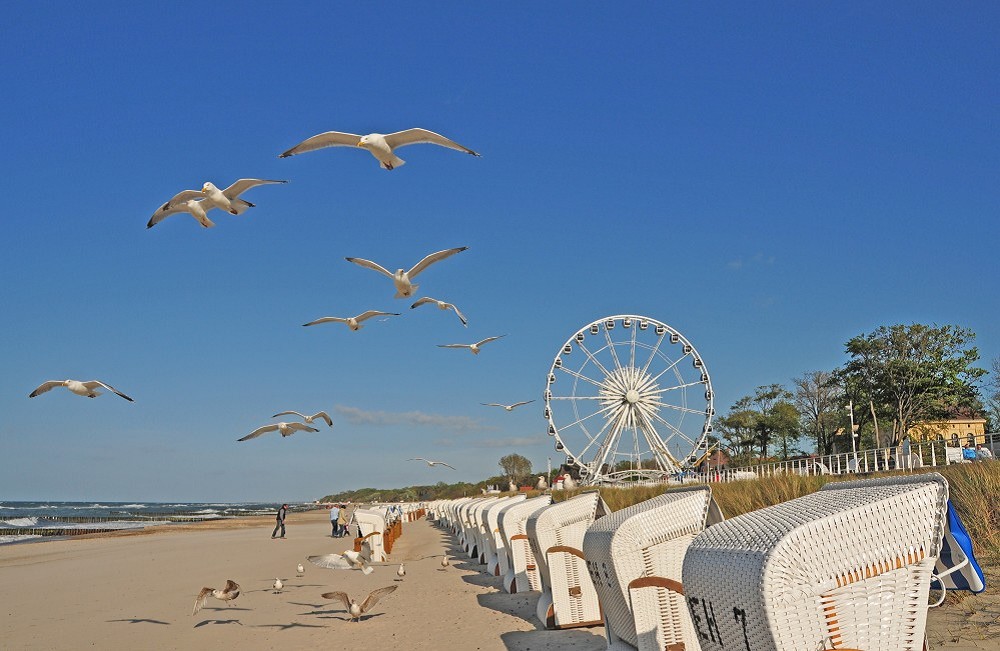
979 453
338 520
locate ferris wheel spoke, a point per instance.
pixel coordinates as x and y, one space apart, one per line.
669 368
611 443
611 347
658 446
581 376
580 420
594 359
577 398
667 405
679 386
652 354
673 428
594 439
631 356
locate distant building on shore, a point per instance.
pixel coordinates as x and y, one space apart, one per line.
956 431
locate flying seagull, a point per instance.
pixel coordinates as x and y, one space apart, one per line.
431 463
354 322
349 560
507 407
380 145
286 429
227 594
199 202
307 419
402 279
277 585
88 389
441 306
354 608
474 348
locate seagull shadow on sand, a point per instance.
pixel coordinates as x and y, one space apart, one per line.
138 620
285 627
217 621
344 616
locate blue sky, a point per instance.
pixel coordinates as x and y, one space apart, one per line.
769 179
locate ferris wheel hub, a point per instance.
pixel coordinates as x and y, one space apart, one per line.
632 396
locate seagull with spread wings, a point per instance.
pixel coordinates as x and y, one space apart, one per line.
442 305
402 279
354 608
473 348
227 594
286 429
432 463
354 322
307 419
87 389
349 560
507 407
199 202
380 145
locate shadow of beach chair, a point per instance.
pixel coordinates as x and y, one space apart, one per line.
522 573
556 536
847 567
634 557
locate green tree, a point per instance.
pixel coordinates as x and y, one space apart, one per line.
738 431
756 422
912 373
993 397
515 467
819 400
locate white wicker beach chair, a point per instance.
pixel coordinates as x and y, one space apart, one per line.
371 525
634 557
522 575
464 524
848 567
476 518
556 536
494 541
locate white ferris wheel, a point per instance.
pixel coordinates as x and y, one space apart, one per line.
629 398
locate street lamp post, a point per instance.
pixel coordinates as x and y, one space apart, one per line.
854 448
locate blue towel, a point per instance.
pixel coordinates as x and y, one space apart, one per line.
956 549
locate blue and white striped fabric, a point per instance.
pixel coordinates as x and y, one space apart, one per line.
956 550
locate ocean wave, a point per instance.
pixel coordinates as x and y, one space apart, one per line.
20 522
205 512
29 508
133 506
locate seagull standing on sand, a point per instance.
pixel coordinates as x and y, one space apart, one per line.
402 279
442 306
401 572
507 407
431 463
474 348
199 202
227 594
299 570
444 562
286 429
380 145
354 322
349 560
278 585
88 389
307 419
354 608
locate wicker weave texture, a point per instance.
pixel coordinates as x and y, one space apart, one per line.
846 567
646 540
564 524
372 522
523 575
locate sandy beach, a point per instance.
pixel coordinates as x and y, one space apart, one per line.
136 591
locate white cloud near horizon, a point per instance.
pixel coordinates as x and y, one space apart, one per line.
459 424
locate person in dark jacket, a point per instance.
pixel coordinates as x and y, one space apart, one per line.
281 522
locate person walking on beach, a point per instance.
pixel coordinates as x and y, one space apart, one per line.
334 517
281 521
342 521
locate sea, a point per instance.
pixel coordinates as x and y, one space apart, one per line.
38 521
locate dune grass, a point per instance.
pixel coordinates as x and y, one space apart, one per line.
974 489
